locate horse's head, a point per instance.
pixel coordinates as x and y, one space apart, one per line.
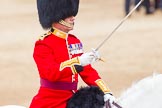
87 97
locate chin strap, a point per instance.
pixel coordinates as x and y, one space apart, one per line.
66 24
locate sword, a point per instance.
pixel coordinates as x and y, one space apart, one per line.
121 22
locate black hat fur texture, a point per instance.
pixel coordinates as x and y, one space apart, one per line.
50 11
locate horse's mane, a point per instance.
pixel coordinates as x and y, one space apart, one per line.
147 93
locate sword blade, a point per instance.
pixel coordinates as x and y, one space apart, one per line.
121 22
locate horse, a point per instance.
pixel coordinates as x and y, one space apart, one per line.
145 93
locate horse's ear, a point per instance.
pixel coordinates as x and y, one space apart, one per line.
87 97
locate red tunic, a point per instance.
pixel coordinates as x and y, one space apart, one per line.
49 52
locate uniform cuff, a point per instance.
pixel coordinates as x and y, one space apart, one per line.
103 86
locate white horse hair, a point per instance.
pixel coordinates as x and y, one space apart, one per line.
147 93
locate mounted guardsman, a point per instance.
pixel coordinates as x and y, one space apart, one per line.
60 58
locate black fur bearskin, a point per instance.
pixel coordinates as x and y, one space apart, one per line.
50 11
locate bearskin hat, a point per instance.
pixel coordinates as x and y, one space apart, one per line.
87 97
50 11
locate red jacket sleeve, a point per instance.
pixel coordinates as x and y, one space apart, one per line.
89 75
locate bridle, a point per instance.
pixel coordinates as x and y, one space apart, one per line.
108 105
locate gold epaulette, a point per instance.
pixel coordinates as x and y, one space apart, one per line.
44 35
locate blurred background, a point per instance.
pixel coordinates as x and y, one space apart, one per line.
132 53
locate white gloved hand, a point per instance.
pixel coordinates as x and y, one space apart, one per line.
109 97
88 58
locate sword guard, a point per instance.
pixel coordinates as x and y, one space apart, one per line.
101 59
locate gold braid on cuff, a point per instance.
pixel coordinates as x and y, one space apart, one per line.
102 86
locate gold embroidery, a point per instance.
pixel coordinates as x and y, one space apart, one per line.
102 86
73 69
44 35
70 63
60 34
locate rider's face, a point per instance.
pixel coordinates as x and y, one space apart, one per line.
70 20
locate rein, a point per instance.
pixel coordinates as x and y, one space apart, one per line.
114 103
